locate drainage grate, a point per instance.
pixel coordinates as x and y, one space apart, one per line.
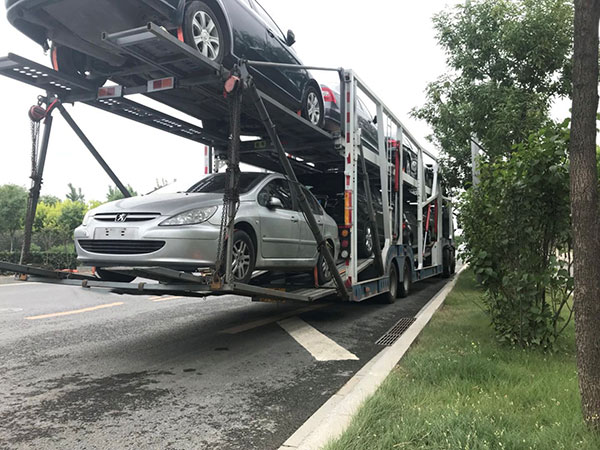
396 331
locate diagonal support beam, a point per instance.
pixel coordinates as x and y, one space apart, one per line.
93 150
287 167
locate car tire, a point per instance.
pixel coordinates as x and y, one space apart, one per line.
106 275
391 295
365 242
243 253
406 285
324 275
198 19
74 63
313 108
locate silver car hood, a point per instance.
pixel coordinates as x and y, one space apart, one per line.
165 204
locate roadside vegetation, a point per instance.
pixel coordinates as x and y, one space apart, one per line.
55 221
459 388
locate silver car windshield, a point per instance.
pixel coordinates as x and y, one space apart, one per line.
215 184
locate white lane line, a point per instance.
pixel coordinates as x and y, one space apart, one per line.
266 321
316 343
165 299
22 283
77 311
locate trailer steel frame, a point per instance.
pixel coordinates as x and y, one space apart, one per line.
307 149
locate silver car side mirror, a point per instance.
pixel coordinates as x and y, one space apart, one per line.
274 203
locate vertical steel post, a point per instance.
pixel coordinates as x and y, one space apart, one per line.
34 192
93 150
420 193
350 175
384 170
400 195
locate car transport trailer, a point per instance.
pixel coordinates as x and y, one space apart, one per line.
288 144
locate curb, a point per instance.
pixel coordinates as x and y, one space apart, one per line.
332 419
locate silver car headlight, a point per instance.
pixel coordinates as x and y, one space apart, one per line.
191 217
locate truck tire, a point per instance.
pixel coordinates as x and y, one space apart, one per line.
391 295
406 285
446 262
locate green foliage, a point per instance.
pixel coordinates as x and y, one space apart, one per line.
75 195
518 241
508 59
115 194
49 199
57 260
13 206
54 223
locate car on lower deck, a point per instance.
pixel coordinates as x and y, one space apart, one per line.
181 230
224 31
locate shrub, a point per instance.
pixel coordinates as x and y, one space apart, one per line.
518 238
55 260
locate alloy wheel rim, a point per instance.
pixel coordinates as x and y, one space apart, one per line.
241 260
206 35
324 266
393 284
369 239
313 108
406 281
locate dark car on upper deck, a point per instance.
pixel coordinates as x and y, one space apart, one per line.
224 31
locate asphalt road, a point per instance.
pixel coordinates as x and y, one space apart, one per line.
94 370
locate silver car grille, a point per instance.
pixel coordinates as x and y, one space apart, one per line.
125 217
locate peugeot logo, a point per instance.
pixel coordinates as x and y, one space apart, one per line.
121 218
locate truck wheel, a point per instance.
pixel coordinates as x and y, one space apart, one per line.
313 109
391 295
452 262
324 275
406 284
113 276
446 263
203 31
74 63
244 257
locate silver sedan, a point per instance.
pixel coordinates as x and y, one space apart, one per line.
181 230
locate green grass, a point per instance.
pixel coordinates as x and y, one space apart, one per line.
458 388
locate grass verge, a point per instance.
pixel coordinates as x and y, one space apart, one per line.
460 389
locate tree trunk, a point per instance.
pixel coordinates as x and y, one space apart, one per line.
584 204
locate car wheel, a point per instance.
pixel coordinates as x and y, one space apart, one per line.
406 285
74 63
313 109
391 295
365 242
324 275
244 257
203 31
106 275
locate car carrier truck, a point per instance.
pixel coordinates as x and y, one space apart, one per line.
400 175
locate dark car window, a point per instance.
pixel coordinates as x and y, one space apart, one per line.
215 184
267 18
280 189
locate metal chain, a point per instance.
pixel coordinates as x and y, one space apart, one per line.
35 134
231 195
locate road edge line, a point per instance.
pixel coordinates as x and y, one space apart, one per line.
332 419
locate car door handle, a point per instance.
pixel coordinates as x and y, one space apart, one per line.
271 33
295 220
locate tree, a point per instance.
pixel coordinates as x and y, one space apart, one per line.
508 59
516 221
115 194
584 206
49 199
75 195
13 204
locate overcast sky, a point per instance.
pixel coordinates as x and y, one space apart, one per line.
390 44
